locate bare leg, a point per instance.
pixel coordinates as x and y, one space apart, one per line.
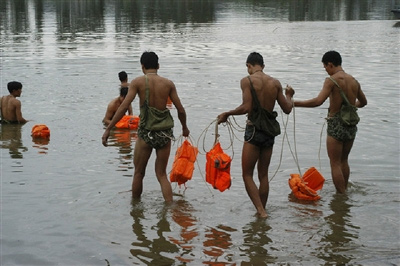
345 163
140 158
250 156
263 165
335 152
161 171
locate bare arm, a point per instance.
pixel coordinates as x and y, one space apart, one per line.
109 114
285 102
18 113
320 99
130 111
361 98
180 110
242 109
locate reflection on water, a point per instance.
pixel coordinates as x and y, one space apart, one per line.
41 145
80 45
218 244
337 242
149 248
10 137
158 244
256 242
182 216
76 18
124 139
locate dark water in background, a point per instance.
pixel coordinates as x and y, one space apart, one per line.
64 202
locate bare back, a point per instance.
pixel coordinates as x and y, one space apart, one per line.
268 90
350 87
11 108
160 89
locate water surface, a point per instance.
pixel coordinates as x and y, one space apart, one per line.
64 202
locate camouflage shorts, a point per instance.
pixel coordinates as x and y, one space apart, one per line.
340 131
156 139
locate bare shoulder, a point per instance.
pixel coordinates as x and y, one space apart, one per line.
273 82
167 82
14 101
138 80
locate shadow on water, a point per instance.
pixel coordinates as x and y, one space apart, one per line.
337 244
10 137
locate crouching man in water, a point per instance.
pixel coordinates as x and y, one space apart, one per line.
156 124
114 105
259 94
10 106
340 137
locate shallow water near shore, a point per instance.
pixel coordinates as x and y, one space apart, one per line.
67 201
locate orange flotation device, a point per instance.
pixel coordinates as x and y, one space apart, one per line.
306 187
169 103
40 131
183 165
128 121
218 168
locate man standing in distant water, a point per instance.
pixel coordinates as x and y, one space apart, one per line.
258 144
153 91
10 106
340 137
115 103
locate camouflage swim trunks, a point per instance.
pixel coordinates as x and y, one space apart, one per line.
340 131
156 139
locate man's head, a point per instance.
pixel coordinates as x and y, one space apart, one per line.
255 59
14 86
149 60
123 92
332 57
123 77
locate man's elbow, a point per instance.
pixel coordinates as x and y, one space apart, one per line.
361 104
287 110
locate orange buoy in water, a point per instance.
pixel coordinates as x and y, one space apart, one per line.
40 131
128 121
307 190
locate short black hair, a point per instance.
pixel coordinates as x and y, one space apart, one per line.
255 58
122 76
149 60
332 57
14 86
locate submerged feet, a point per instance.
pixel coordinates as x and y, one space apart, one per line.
262 213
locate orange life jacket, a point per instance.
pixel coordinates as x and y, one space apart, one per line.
218 168
183 166
313 178
128 121
306 188
40 131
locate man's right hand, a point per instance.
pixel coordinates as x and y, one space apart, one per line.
104 138
289 91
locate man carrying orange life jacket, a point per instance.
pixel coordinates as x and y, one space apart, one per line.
259 93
